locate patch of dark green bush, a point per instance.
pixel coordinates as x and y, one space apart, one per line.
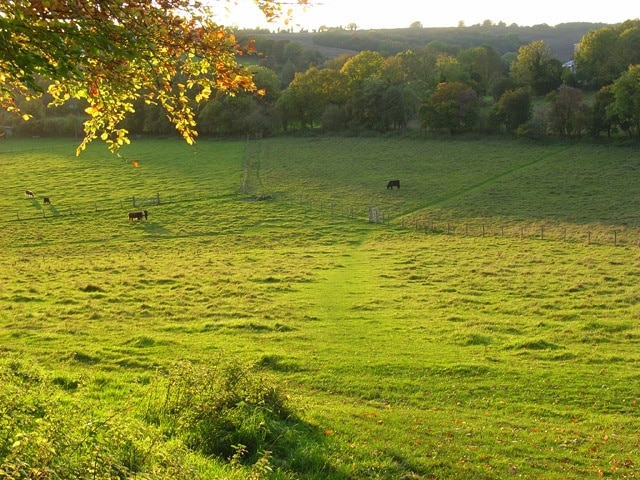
222 409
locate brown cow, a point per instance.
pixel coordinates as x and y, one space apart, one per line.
29 194
46 201
138 215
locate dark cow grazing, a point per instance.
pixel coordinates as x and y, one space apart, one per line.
138 215
46 201
29 194
393 183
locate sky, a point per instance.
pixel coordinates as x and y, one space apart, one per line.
377 14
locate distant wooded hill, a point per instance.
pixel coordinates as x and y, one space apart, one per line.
334 42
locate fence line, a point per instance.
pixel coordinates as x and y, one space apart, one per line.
597 235
106 204
551 231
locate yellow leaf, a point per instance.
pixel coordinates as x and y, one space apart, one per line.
104 136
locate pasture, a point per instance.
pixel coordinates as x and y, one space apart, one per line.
406 350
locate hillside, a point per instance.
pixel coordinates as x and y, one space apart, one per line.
561 38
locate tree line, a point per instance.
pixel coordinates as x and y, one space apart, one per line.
436 87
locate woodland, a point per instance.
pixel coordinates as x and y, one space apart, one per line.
573 80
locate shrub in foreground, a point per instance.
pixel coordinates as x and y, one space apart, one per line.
221 410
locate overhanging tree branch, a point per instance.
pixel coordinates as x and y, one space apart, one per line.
111 53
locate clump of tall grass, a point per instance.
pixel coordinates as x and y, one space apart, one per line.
225 410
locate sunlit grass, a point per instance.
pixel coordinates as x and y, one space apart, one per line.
408 353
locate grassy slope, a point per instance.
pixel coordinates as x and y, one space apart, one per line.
492 181
444 356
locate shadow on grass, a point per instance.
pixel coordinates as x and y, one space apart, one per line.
238 413
35 203
277 363
155 229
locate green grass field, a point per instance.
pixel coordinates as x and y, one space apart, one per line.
414 349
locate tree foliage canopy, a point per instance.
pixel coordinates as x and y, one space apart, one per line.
626 103
568 113
536 66
452 106
513 108
111 54
604 54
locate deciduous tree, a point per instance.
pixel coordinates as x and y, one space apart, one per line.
364 65
450 69
379 105
483 63
110 54
604 54
513 108
601 120
309 94
568 114
537 68
452 106
626 103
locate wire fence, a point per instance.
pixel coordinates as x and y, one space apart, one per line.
333 208
543 230
588 234
34 208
